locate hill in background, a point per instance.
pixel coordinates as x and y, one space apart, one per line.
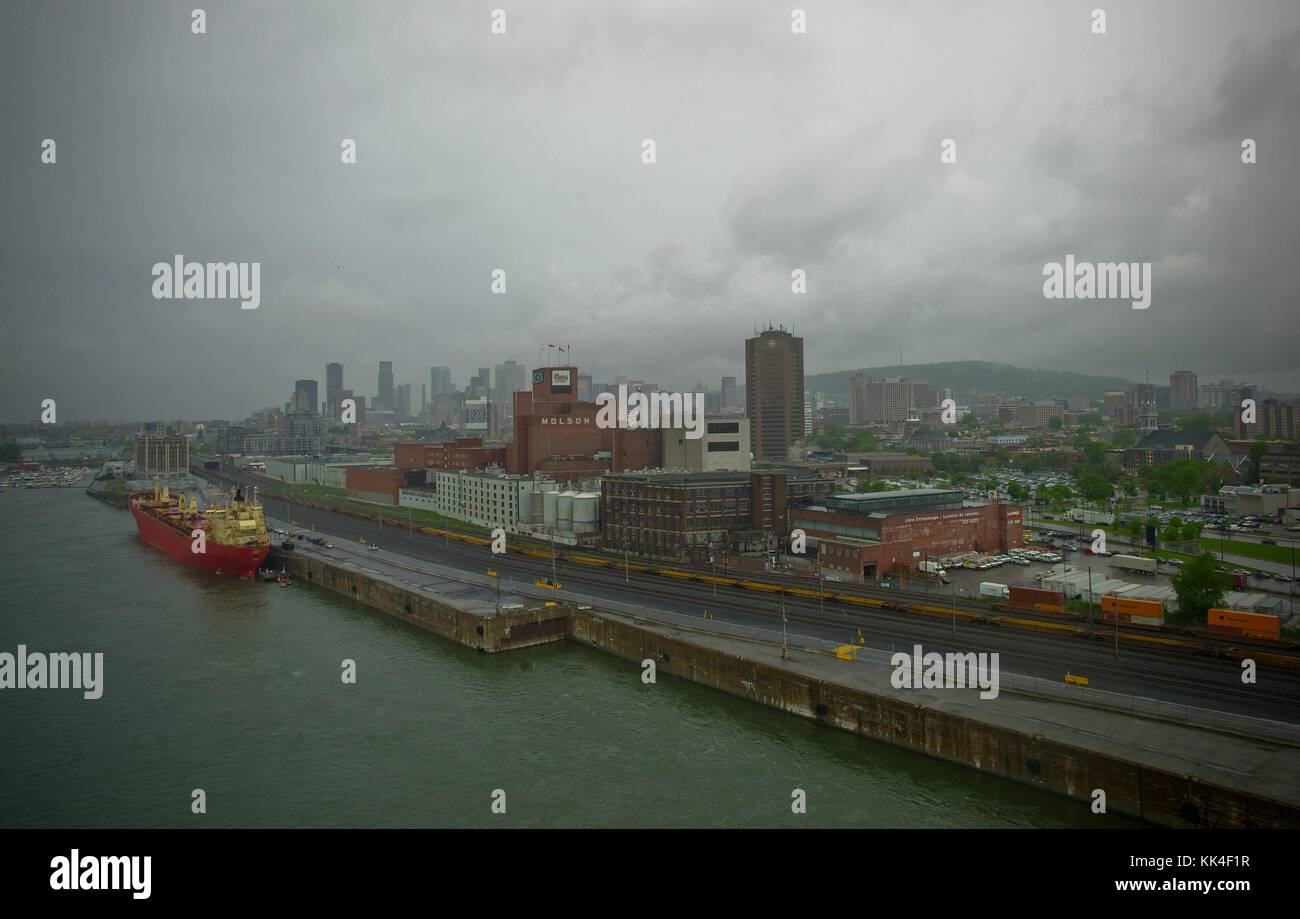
968 379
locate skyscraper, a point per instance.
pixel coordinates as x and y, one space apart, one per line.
385 396
510 379
439 382
333 385
729 401
305 395
1183 391
403 406
774 380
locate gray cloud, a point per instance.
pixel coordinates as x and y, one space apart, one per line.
522 152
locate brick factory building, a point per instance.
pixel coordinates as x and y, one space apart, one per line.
379 485
556 433
681 515
462 453
862 537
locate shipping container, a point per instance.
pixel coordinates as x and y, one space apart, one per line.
1147 609
1032 595
1134 563
990 589
1253 625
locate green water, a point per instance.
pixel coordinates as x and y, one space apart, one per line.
234 687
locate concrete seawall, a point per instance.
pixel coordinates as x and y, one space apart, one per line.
1163 773
484 630
116 499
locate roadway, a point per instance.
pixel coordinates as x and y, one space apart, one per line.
1174 676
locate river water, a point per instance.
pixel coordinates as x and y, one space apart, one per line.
233 687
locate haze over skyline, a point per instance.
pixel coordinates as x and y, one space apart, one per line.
522 152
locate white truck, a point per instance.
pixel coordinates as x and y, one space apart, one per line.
1134 563
1091 515
996 591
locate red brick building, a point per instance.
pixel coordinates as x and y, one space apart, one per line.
861 537
686 515
380 485
556 433
462 453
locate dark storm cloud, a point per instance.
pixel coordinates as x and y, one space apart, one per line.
522 152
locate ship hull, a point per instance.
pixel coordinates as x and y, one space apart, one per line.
241 561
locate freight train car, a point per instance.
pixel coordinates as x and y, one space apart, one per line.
1251 625
1140 612
1036 598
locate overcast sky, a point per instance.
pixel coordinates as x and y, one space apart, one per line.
522 151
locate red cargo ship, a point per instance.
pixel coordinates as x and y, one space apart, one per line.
234 536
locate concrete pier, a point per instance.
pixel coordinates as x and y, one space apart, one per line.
1165 773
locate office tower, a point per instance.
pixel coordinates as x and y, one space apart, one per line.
511 377
403 406
305 397
439 381
385 398
333 386
728 394
774 382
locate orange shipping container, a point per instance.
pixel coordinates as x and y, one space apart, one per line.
1255 625
1147 609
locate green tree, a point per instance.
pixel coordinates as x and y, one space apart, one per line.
1256 453
10 452
1199 585
1018 492
1093 487
1055 424
1124 437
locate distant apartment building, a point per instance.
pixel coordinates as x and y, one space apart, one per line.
1223 394
874 401
1030 414
1274 419
161 454
1183 391
724 445
775 393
